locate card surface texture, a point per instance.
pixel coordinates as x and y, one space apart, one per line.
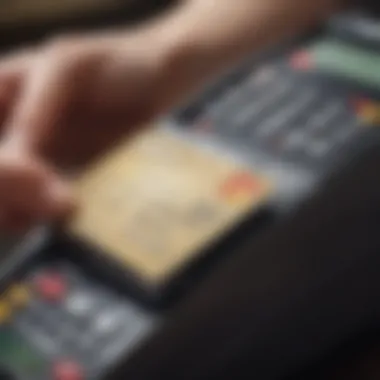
156 202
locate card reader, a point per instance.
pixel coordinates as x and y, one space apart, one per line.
292 136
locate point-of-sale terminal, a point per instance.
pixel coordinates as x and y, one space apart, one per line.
237 238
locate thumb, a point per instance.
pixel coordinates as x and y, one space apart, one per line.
31 189
58 196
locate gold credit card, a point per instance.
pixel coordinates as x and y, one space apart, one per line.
156 202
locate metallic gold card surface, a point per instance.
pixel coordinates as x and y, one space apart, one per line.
153 204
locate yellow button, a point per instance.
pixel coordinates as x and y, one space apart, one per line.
18 296
5 312
370 113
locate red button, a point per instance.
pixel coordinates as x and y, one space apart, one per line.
51 286
301 60
68 370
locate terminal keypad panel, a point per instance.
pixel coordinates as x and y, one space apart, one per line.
302 108
58 323
286 119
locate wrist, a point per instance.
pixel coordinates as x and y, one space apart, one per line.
168 59
181 64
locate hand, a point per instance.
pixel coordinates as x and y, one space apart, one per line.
65 102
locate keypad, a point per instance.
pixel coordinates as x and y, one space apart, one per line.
278 111
57 323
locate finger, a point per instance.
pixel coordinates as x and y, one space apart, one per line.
16 63
45 195
4 216
4 91
48 90
13 69
31 190
9 92
17 222
18 219
57 198
12 220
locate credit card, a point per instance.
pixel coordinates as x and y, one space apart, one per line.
155 203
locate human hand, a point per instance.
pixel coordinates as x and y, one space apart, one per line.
63 103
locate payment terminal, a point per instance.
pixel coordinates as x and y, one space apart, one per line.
185 255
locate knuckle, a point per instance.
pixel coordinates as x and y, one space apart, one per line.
64 49
73 53
61 44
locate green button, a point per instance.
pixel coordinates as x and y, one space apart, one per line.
17 355
343 59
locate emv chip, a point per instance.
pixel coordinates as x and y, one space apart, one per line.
154 204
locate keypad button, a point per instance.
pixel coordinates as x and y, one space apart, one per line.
68 370
350 130
263 76
295 140
38 337
318 148
288 113
326 117
18 295
230 99
5 312
301 60
109 322
80 303
251 110
51 286
370 114
366 110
